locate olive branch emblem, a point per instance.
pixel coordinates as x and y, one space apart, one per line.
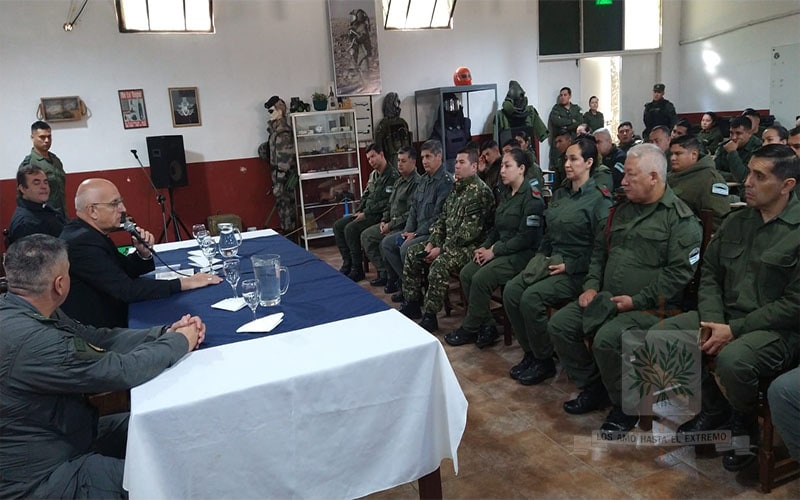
661 372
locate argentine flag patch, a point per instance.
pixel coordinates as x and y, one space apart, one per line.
533 221
719 188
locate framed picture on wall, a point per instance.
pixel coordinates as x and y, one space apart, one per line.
185 106
134 112
354 42
61 109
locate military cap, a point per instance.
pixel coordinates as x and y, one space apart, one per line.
659 87
598 312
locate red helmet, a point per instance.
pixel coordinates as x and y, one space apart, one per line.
462 76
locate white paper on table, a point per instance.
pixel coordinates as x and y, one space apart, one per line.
171 275
262 325
197 253
232 304
202 261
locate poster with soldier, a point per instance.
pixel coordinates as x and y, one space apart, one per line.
354 44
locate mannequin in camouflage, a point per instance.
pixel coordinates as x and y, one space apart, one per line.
279 152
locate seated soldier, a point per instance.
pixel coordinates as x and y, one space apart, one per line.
775 134
626 137
681 128
492 161
33 215
574 216
374 201
784 404
641 262
695 179
733 155
794 140
749 298
394 217
709 135
425 206
562 140
533 172
660 137
613 157
461 227
512 241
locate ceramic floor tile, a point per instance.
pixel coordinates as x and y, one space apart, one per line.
682 481
578 482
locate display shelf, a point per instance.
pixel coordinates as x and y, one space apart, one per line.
328 188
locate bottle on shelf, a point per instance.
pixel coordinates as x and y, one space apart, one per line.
332 102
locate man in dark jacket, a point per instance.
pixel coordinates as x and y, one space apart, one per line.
103 281
53 445
659 111
33 214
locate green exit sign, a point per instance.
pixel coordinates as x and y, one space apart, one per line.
603 2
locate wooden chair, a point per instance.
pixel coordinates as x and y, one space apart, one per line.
108 403
771 470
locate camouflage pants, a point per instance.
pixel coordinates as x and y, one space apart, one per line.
284 202
439 271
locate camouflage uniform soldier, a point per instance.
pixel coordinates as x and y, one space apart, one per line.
696 181
394 217
641 262
459 230
282 163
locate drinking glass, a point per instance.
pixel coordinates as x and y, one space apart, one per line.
231 269
209 249
250 294
197 229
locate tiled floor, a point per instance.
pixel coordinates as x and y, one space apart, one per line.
519 443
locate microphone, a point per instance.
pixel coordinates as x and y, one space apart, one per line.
130 227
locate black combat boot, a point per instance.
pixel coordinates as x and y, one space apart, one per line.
429 322
539 371
527 361
592 397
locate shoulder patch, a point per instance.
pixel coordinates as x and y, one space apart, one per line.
535 191
620 167
533 221
720 188
694 256
85 350
603 189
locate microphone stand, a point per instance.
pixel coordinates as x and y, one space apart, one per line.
159 197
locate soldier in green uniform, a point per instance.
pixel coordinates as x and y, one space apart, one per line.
374 201
41 156
695 180
492 161
533 174
732 156
659 111
563 139
593 118
610 156
461 227
749 298
395 215
425 206
626 137
53 444
756 128
511 242
709 136
574 216
566 115
640 265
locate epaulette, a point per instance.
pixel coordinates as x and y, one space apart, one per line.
683 209
603 189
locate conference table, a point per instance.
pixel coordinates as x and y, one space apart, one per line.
346 397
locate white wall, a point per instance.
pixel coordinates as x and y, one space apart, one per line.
261 48
744 55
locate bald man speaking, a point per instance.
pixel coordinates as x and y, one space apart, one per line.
103 281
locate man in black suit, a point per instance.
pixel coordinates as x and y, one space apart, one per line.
103 281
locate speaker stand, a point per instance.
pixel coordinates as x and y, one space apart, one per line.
175 220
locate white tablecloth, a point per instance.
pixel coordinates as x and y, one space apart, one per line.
174 245
339 410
